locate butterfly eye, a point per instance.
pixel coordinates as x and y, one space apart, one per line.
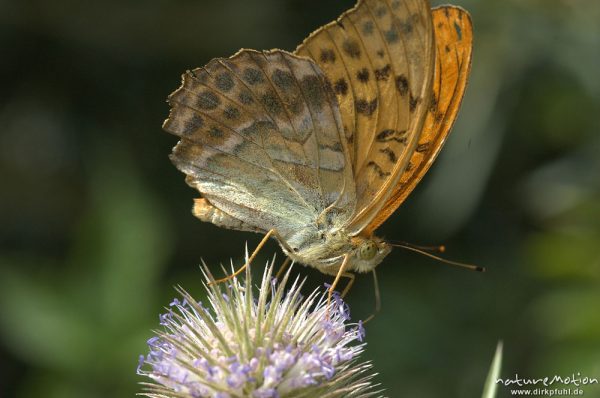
367 250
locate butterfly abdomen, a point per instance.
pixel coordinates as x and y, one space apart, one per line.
208 213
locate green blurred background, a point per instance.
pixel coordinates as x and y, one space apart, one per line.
96 225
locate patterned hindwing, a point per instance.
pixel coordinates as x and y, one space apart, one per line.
379 58
262 140
454 42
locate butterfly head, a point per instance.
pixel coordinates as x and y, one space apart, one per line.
367 253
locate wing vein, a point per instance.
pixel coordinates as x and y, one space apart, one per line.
318 163
289 119
379 96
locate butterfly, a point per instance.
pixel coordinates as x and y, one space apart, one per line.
317 148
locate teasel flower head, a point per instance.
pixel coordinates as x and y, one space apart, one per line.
274 344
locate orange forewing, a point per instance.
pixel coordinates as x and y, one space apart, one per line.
454 41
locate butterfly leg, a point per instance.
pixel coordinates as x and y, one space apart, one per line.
283 267
351 278
254 253
341 272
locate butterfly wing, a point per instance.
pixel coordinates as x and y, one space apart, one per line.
454 43
379 58
262 140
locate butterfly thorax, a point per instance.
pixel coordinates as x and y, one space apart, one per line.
326 251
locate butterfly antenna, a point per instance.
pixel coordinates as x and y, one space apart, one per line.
437 249
441 249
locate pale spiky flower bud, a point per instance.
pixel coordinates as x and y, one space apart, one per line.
278 344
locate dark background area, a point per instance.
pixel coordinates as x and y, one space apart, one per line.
95 223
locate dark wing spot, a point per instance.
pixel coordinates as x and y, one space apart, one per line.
381 11
384 135
215 132
412 103
380 53
363 75
341 87
327 55
446 12
402 85
259 127
423 147
208 100
246 98
391 154
378 169
312 88
458 30
395 4
391 36
329 88
366 107
282 79
434 104
350 138
383 73
192 125
224 81
368 28
447 48
250 130
433 109
231 113
253 76
405 27
409 167
352 48
391 135
271 103
336 147
296 106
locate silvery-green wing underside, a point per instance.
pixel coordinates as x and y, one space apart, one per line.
261 138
